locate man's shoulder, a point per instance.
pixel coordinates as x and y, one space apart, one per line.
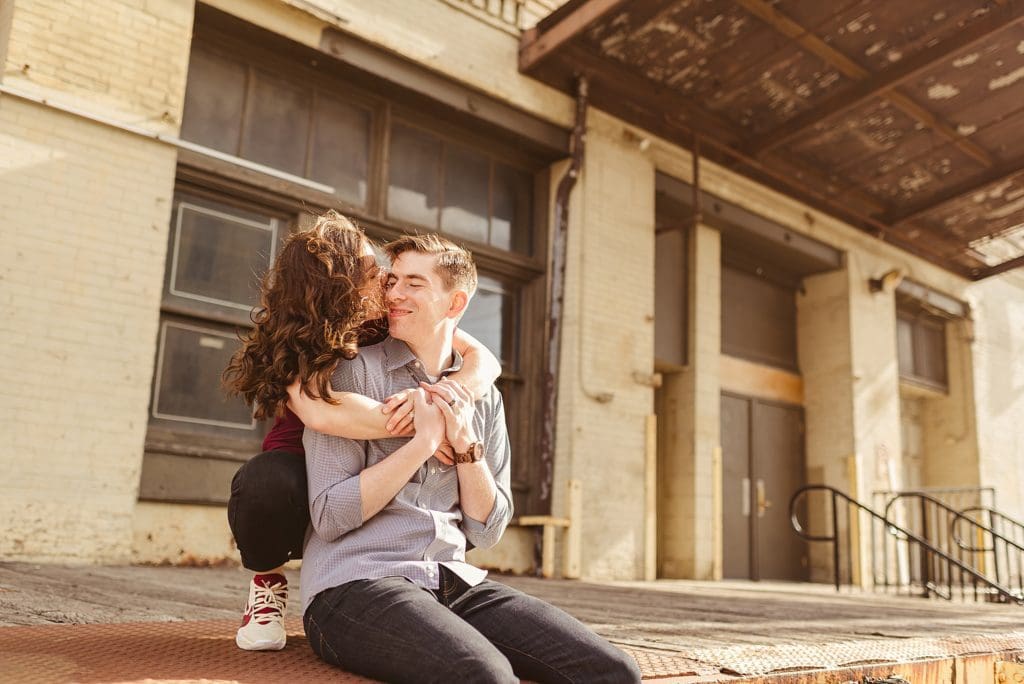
350 375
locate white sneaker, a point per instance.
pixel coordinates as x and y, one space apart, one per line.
263 621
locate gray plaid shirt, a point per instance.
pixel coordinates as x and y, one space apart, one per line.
423 526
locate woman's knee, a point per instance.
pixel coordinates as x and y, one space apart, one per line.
271 476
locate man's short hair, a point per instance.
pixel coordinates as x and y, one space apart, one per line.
453 263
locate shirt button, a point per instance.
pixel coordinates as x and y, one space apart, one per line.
433 470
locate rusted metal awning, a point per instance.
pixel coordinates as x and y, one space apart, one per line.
905 119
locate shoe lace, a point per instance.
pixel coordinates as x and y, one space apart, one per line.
267 603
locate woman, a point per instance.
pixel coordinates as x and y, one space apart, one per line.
319 301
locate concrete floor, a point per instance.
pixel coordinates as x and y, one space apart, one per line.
715 631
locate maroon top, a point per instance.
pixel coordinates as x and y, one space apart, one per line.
286 434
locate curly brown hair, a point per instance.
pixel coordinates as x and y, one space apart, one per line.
313 302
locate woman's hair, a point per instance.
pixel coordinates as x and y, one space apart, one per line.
310 312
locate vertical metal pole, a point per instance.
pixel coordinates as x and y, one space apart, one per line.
835 539
558 256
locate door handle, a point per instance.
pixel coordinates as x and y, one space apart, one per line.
763 503
745 496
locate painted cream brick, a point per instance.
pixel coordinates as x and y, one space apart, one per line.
181 534
78 370
999 386
607 336
124 59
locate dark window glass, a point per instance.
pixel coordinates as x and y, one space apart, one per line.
190 359
414 163
341 148
277 125
466 181
213 101
921 343
218 252
513 208
490 319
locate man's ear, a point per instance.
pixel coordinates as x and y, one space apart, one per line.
458 304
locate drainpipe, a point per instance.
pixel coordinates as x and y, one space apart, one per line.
558 253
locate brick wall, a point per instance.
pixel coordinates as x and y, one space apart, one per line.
84 210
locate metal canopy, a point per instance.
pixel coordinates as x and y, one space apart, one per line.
905 119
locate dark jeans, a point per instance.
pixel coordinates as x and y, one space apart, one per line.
391 629
269 509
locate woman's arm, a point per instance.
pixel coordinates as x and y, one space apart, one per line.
480 368
354 417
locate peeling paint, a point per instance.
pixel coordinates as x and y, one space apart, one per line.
997 191
966 129
1006 79
874 48
967 60
914 182
938 16
1005 210
894 55
944 91
858 23
1020 47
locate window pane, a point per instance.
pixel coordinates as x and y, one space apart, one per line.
190 359
277 126
930 350
466 181
413 169
489 318
213 101
218 254
513 206
905 345
341 148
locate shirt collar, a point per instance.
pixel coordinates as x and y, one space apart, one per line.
398 354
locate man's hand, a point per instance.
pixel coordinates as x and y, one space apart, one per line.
399 406
456 405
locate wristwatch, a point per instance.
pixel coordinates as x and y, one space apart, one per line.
474 453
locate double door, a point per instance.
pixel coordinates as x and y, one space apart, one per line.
762 466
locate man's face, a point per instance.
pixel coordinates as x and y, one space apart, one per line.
418 302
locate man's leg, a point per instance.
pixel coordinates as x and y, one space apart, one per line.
543 643
268 514
392 630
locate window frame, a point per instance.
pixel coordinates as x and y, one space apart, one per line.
527 275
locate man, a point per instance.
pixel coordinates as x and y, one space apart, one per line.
386 589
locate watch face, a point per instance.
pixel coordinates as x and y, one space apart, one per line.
477 451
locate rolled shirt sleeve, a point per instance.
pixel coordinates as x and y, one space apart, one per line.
333 465
498 454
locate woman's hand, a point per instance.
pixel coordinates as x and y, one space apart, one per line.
428 420
399 406
456 405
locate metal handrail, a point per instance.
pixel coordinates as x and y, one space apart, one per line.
928 552
955 517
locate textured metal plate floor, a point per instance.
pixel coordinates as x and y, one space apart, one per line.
202 651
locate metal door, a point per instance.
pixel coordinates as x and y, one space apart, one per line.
762 465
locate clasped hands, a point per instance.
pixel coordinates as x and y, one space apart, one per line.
442 411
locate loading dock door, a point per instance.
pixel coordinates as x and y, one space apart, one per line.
762 465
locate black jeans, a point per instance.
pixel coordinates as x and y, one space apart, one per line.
391 629
268 511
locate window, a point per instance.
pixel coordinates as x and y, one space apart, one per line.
395 166
921 346
217 252
295 125
460 191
